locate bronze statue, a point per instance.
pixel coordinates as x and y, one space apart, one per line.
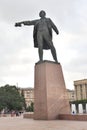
42 34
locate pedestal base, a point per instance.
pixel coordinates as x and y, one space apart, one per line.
50 92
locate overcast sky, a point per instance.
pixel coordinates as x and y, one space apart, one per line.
17 54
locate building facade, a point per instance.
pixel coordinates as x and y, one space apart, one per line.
71 95
28 95
81 89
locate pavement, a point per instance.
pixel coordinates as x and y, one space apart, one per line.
20 123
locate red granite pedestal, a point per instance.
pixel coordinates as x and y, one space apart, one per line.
49 91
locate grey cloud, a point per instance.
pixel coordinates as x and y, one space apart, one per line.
70 18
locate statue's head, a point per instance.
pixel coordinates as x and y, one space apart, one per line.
42 14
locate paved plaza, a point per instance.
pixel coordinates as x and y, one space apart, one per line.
19 123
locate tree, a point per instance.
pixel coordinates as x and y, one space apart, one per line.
10 98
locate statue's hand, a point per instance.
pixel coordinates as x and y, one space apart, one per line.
17 24
57 32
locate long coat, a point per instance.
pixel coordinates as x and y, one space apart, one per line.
50 26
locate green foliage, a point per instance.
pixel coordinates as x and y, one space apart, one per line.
79 101
30 108
10 98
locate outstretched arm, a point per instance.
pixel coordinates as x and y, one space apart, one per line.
33 22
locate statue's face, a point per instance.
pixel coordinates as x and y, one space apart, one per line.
42 14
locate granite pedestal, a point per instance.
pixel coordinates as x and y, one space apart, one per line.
50 92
